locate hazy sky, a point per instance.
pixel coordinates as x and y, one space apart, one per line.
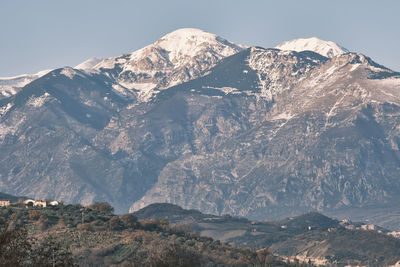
42 34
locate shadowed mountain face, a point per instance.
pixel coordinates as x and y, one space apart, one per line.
263 133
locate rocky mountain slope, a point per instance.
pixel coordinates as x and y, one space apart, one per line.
322 136
11 85
253 132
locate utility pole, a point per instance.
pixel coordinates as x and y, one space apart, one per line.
83 215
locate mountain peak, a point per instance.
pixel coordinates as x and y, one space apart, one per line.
88 64
325 48
187 33
180 56
190 41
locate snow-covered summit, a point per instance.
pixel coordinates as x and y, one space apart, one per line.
325 48
188 42
176 49
173 59
88 64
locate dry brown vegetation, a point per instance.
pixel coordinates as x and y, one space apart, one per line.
97 237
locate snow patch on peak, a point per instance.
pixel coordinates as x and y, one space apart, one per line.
189 42
325 48
187 33
38 101
88 64
180 46
173 59
69 72
12 85
20 79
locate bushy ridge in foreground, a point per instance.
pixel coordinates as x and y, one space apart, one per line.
69 235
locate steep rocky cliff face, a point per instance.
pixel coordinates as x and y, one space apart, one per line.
324 138
261 133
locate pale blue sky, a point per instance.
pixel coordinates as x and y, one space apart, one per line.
42 34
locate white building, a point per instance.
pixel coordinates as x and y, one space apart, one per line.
29 201
53 203
4 202
40 203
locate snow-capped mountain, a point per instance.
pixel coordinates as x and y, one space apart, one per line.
11 85
175 58
326 48
260 133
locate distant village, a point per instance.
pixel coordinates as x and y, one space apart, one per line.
30 203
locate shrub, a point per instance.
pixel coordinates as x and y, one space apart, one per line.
43 222
34 214
115 224
102 206
85 227
173 254
150 225
129 221
50 253
190 243
17 249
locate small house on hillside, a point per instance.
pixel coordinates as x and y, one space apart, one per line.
4 202
29 202
53 203
40 203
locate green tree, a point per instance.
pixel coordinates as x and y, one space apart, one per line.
15 247
115 223
19 250
50 253
129 221
173 254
